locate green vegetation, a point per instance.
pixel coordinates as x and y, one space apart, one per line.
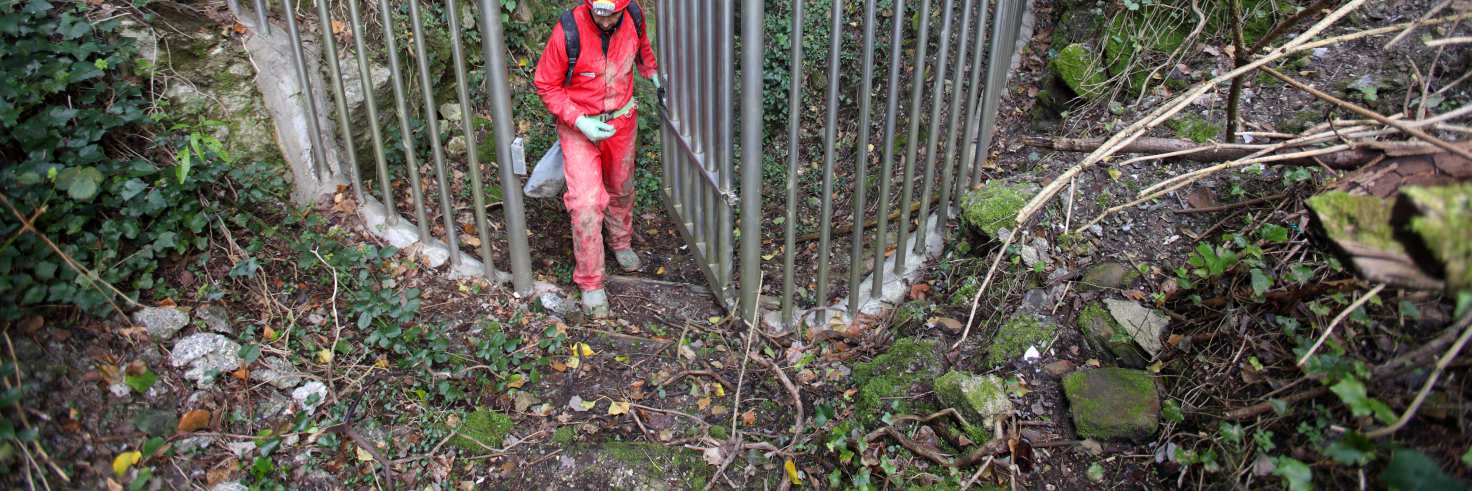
1443 225
888 378
1014 337
482 432
1113 403
1193 127
1079 68
994 206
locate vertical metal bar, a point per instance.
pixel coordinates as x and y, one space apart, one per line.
370 100
751 156
917 88
724 149
963 180
1007 19
406 133
794 161
937 94
943 211
667 156
432 124
830 129
892 95
303 74
261 13
467 123
329 49
708 121
861 162
685 64
494 47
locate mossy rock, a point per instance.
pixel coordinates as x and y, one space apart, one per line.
891 376
1113 403
1194 127
627 465
1108 276
482 431
995 206
1015 336
1106 337
1080 69
980 399
1351 219
1444 226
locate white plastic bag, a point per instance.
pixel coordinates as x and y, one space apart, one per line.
547 178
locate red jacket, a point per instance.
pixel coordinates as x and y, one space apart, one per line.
601 82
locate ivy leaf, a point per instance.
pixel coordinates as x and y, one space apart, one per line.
1352 449
1295 474
1260 282
1410 469
1352 392
1273 233
1172 411
140 382
80 183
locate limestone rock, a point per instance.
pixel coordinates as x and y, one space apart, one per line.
1108 276
482 431
1361 228
1106 338
980 399
206 355
1113 403
215 317
161 322
1144 325
304 395
889 377
1444 226
994 206
277 372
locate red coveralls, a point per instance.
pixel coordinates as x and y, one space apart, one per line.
600 188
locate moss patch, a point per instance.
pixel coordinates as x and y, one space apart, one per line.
1014 337
1111 275
482 431
564 435
1363 220
654 462
994 206
980 399
1078 68
1194 127
1113 403
889 377
1445 225
1104 334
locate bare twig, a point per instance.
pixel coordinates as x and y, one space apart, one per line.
1429 12
1446 359
990 272
1337 319
791 391
1230 206
92 278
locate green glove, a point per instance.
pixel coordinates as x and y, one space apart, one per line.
594 129
655 78
658 90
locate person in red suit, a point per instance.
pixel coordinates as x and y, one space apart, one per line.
586 80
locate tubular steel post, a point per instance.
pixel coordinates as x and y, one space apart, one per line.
406 133
667 151
687 118
494 47
432 124
917 88
830 134
261 12
467 122
365 79
794 161
963 179
708 120
938 93
329 49
724 148
751 155
891 106
299 61
943 210
1005 22
861 162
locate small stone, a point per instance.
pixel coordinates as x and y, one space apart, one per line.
155 422
1113 403
1030 255
456 146
275 404
1036 300
451 111
194 443
240 449
1097 230
229 486
206 355
980 399
1013 339
277 372
303 395
215 317
161 322
994 206
1106 338
1108 276
1143 324
1059 368
119 390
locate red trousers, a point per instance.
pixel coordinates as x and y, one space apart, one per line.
600 194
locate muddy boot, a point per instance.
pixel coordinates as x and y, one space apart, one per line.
628 260
595 304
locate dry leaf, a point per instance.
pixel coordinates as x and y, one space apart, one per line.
194 421
792 474
748 418
124 461
617 408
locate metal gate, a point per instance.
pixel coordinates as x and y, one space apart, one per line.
497 91
695 42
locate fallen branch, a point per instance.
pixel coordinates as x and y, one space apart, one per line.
1171 148
791 391
1232 206
27 225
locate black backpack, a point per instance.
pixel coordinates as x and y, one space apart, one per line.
575 46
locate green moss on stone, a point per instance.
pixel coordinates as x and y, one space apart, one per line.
1193 127
890 376
1363 220
1113 403
564 435
657 461
1445 225
1078 67
1108 276
1014 337
1103 333
980 399
994 206
482 431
